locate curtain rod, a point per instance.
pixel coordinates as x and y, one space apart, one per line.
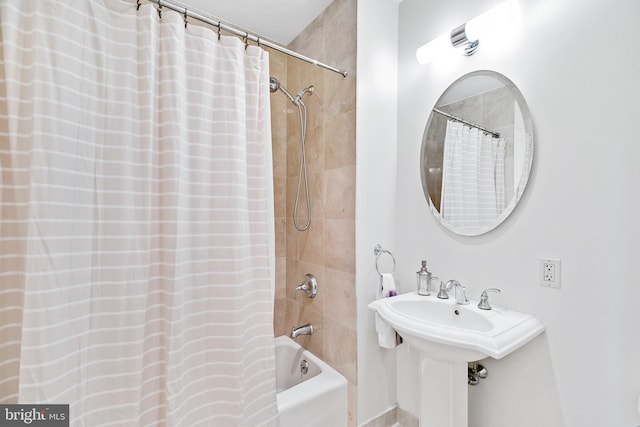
244 34
463 121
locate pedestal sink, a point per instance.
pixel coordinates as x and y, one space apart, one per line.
448 336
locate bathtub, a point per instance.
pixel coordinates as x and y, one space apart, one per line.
317 398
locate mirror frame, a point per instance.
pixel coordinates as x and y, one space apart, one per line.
526 167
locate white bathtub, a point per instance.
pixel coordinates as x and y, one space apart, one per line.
315 399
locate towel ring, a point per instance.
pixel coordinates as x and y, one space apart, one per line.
379 251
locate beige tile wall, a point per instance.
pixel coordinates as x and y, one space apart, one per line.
327 248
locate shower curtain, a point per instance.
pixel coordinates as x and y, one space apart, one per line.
136 217
473 181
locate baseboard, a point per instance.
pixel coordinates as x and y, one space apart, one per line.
392 417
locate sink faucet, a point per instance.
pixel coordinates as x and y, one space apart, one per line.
302 330
461 294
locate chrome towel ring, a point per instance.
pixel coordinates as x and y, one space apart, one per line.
378 250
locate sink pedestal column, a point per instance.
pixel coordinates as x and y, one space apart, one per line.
443 393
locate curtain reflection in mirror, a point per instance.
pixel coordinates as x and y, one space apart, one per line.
473 183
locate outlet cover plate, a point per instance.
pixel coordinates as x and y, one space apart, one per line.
550 273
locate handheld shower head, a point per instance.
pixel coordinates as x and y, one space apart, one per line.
274 85
309 90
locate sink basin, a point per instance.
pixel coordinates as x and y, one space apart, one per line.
446 331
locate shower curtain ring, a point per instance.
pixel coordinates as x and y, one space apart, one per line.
246 41
218 30
185 17
160 9
138 5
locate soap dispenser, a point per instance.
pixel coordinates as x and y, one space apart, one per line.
424 278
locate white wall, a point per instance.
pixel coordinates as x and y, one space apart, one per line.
576 65
376 130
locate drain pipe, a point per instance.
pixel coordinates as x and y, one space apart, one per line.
476 372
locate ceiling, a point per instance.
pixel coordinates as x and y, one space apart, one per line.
278 20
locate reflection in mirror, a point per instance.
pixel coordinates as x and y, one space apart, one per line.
477 151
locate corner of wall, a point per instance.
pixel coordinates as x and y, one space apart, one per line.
376 170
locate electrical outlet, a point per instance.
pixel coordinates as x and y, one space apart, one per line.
550 273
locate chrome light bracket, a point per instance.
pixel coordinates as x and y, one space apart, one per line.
459 38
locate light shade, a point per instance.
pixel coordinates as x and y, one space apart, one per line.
494 22
436 48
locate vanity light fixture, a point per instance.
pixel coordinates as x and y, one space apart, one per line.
468 34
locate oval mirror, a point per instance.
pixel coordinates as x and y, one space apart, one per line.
477 151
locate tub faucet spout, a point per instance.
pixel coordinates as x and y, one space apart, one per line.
302 330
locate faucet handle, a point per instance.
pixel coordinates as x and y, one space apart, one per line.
309 286
484 299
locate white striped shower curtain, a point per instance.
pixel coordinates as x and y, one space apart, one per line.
136 217
473 179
